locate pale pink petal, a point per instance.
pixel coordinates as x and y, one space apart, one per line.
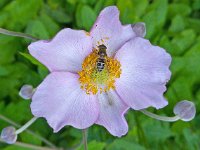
109 28
60 100
65 52
111 116
145 71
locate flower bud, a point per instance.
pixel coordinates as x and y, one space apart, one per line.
8 135
26 92
185 110
139 29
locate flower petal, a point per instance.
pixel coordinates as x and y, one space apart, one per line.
111 116
145 71
109 29
60 100
65 52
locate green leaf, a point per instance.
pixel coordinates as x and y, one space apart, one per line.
183 41
50 25
36 28
158 130
22 107
166 43
160 8
131 10
32 59
59 15
150 21
156 17
192 58
178 24
3 71
177 66
179 126
196 5
43 71
194 24
20 13
178 9
29 138
99 5
182 87
13 147
85 17
192 139
94 145
73 2
8 47
3 2
127 13
171 96
109 3
120 144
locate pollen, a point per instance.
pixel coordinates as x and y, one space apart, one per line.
93 81
87 33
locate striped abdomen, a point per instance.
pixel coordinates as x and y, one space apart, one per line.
100 64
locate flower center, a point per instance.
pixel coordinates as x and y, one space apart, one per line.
98 73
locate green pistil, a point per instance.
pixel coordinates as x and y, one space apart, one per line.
100 77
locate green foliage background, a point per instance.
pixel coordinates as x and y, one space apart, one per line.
172 24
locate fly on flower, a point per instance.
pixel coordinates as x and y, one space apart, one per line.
99 71
100 64
96 77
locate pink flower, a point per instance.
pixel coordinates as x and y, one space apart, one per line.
78 93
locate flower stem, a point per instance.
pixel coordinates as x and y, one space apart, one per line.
31 147
163 118
28 131
85 139
9 121
24 127
18 34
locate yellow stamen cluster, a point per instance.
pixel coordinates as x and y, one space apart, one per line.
93 80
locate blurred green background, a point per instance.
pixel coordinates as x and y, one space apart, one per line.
172 24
